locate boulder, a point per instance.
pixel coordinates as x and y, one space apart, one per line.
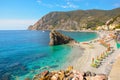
45 73
56 38
100 77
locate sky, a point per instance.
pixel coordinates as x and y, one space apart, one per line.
19 14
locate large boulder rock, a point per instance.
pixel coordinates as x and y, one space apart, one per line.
56 38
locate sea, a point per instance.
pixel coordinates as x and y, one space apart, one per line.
118 41
24 53
118 45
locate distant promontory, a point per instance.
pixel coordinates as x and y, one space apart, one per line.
75 20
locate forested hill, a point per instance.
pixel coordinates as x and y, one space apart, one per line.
74 20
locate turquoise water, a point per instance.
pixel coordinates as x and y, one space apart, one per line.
81 36
25 53
118 45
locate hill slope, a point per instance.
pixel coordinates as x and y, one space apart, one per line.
74 20
111 24
114 23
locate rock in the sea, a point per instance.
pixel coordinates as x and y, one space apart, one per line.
27 78
41 76
56 38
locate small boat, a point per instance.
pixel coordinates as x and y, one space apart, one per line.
43 31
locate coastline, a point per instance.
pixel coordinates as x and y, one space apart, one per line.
83 54
91 50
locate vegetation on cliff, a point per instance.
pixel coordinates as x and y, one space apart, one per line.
74 20
111 24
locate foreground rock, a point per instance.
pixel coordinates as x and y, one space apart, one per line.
56 38
69 74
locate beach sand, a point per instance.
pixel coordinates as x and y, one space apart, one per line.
115 72
82 54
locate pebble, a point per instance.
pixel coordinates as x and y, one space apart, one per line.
69 74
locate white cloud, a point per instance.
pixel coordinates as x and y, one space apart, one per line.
69 4
63 6
15 24
44 4
39 1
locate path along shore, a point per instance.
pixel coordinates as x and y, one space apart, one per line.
94 49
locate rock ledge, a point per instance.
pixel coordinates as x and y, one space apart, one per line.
56 38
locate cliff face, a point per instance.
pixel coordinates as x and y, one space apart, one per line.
57 38
111 24
114 23
74 20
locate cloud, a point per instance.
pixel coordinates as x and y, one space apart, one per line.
15 24
71 5
116 4
44 4
67 4
39 1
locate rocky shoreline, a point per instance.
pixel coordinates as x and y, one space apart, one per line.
82 66
69 74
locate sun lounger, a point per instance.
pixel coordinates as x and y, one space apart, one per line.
95 63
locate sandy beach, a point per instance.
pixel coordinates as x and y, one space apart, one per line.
91 60
114 74
92 49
